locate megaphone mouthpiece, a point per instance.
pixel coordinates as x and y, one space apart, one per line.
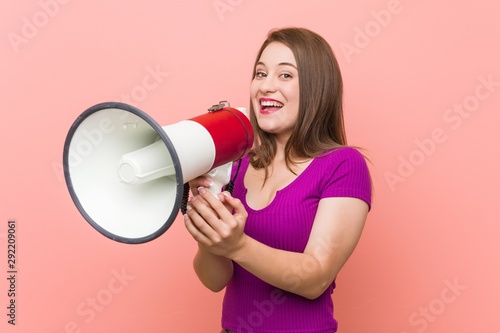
146 164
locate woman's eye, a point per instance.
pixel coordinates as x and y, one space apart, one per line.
286 75
260 74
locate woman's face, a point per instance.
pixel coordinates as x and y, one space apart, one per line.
274 90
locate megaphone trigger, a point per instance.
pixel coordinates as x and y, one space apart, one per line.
219 176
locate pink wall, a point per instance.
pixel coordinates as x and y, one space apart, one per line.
422 81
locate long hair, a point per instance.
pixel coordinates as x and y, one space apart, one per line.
320 123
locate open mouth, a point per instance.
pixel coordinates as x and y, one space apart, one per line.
270 105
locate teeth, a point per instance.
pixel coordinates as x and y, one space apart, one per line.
271 103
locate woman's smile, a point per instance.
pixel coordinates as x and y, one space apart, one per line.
269 105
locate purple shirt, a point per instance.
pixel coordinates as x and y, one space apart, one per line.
254 306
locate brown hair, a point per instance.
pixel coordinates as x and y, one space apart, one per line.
320 123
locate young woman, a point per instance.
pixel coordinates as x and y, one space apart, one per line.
300 199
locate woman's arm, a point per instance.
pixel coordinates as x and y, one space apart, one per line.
212 270
336 231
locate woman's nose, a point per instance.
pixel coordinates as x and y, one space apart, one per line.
268 84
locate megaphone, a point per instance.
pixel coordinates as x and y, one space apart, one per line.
126 174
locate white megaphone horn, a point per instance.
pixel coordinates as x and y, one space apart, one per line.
127 175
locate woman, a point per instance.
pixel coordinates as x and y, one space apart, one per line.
300 199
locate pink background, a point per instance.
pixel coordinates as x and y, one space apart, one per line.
422 87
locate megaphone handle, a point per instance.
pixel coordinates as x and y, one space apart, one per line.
219 176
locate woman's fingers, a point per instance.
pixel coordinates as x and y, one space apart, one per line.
212 224
230 213
199 182
198 227
234 207
194 231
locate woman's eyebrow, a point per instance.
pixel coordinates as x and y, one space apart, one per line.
280 64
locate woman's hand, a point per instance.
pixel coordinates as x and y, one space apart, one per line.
198 182
212 224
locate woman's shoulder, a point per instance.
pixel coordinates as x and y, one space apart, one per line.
343 153
346 173
342 161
